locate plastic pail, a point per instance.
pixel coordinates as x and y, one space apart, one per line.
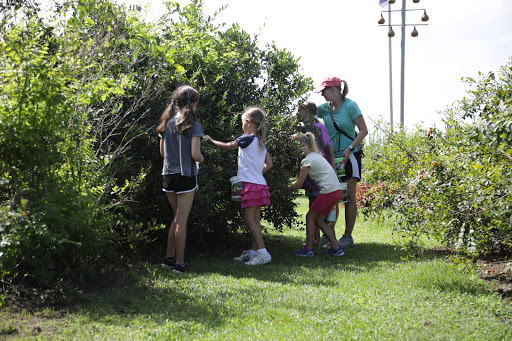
332 216
236 188
340 169
344 194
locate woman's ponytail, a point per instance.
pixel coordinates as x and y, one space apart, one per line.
345 90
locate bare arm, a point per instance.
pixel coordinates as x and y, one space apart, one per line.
162 147
222 145
268 163
196 149
363 131
300 181
331 158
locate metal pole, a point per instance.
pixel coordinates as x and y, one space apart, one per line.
390 74
403 67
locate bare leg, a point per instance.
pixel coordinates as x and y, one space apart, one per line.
181 205
332 224
253 244
252 220
317 229
316 235
313 219
310 229
171 241
329 233
350 206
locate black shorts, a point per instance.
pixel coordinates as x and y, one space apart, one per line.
179 183
353 167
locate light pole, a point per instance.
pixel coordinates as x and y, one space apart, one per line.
391 34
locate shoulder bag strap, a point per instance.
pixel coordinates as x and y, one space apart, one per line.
336 126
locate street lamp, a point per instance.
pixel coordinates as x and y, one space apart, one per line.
391 34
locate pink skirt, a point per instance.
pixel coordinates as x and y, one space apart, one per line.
254 195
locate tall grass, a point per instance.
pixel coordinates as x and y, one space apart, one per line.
373 293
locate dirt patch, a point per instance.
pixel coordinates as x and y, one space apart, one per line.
495 270
498 273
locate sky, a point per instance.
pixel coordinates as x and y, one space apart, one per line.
343 38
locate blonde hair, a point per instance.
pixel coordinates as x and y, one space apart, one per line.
257 116
307 139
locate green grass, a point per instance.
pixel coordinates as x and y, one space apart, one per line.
373 293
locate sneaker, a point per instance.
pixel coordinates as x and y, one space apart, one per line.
244 257
334 252
168 262
259 259
346 241
324 240
180 269
304 252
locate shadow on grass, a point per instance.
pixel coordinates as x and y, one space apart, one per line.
151 293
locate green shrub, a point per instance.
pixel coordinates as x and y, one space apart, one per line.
53 157
82 92
455 184
231 72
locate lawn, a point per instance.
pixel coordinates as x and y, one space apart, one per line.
372 293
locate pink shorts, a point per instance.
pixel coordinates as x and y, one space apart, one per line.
254 195
324 203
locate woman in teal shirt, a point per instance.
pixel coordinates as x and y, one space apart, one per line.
346 116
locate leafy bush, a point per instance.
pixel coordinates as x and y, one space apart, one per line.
454 185
232 73
61 201
82 92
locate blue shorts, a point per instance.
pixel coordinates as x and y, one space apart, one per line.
178 183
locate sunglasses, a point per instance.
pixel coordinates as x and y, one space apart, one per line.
326 88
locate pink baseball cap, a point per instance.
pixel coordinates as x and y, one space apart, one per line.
327 82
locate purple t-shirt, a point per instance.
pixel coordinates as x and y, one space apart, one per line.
323 139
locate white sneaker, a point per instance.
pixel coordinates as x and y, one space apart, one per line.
346 241
259 259
244 257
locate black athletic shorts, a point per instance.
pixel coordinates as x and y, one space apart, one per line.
179 183
353 167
